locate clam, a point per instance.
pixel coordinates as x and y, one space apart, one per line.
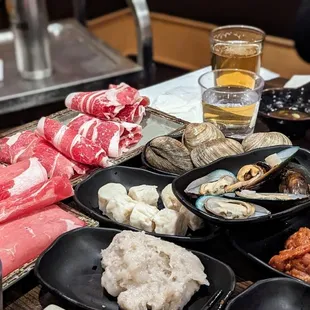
213 183
169 155
210 151
253 176
264 139
229 208
195 133
294 182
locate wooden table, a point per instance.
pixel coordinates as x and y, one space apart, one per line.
28 295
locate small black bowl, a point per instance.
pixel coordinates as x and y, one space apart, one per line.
86 196
286 98
233 164
273 294
262 244
71 269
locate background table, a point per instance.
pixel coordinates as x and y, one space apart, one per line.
28 295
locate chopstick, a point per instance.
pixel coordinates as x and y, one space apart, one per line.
224 301
213 299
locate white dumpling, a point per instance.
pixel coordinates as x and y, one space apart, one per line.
119 208
194 222
170 222
142 216
109 191
169 199
145 193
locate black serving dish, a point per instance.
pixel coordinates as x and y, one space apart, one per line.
86 196
273 294
233 164
286 98
261 245
71 269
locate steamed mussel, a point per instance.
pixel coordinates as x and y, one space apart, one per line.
293 182
250 176
228 208
234 196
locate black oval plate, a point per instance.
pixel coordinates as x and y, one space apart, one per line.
233 164
71 268
273 294
261 245
86 196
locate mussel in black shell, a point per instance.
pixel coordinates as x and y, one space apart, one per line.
254 175
293 182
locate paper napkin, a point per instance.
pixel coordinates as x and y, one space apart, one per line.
297 81
181 97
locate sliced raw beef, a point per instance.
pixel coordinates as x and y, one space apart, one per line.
35 198
26 144
72 144
118 103
113 137
24 239
3 166
18 178
132 135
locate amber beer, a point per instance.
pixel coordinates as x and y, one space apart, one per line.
236 56
237 47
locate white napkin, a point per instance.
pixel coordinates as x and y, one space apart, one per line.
182 102
297 81
181 97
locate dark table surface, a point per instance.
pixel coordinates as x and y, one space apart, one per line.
27 294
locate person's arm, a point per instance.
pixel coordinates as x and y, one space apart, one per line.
302 30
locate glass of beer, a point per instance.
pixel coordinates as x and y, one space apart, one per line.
237 47
230 100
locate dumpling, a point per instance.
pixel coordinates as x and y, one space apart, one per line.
169 199
142 216
119 208
194 222
144 193
170 222
109 191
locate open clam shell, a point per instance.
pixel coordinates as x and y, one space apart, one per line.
196 133
264 139
213 183
209 151
276 161
230 209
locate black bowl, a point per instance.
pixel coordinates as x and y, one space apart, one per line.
233 164
86 196
262 244
71 269
288 98
273 294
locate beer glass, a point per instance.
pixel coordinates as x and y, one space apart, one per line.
237 47
230 100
